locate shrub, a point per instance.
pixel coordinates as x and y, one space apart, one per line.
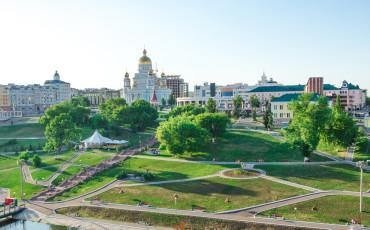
121 175
36 160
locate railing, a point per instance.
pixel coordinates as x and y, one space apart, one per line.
9 210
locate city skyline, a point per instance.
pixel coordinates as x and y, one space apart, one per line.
204 42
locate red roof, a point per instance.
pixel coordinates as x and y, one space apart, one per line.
154 97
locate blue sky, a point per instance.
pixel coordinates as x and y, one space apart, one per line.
92 43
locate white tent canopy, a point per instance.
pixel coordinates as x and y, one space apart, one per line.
97 140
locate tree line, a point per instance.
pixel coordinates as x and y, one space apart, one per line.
64 122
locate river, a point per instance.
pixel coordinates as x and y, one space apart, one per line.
29 225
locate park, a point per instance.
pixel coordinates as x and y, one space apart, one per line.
228 171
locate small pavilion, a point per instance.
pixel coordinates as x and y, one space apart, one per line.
98 141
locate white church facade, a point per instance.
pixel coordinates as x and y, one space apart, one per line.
146 85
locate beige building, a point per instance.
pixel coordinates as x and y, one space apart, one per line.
99 96
26 100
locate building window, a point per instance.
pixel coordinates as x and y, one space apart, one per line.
275 107
288 115
281 115
281 107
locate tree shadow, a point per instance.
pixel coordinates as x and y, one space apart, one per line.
206 187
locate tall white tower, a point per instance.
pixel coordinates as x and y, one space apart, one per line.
127 81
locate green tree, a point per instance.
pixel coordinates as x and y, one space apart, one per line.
98 122
80 101
308 123
368 101
189 109
171 100
36 160
181 134
255 103
25 155
163 102
211 106
59 132
78 113
139 115
214 123
237 106
362 142
267 117
112 109
342 128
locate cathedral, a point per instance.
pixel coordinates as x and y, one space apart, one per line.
146 85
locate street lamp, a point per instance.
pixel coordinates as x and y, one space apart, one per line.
362 165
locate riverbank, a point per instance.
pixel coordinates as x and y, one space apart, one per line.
164 221
74 222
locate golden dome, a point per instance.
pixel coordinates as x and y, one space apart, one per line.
145 59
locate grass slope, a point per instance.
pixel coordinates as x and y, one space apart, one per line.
162 170
22 130
11 179
330 209
214 194
246 146
327 177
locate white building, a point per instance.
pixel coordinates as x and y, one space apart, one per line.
146 83
24 100
63 88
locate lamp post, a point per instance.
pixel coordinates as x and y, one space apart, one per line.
361 165
21 177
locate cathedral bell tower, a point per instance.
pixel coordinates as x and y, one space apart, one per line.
127 81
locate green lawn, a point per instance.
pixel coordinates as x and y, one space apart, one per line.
330 209
162 170
341 152
11 179
93 157
21 144
50 164
23 130
214 194
326 177
7 162
246 146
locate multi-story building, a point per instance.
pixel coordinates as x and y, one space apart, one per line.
205 90
177 84
145 83
63 88
25 100
315 85
352 98
99 96
280 107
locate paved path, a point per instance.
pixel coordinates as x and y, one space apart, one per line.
231 217
26 173
253 210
